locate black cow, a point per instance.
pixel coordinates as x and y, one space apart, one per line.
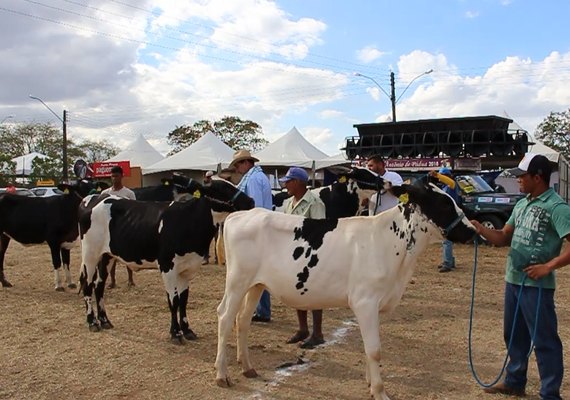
169 190
174 235
53 220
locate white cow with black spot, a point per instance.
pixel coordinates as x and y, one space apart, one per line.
363 263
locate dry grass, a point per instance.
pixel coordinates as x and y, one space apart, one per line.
47 351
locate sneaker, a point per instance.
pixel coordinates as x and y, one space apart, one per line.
259 318
445 268
502 388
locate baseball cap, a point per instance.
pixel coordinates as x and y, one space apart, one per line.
532 163
210 173
295 173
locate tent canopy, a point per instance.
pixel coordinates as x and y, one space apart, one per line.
24 163
291 149
540 148
139 153
205 154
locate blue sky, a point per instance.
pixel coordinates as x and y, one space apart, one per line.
126 67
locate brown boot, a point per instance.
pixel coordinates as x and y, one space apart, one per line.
502 388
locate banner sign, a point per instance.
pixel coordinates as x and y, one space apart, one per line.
417 163
103 169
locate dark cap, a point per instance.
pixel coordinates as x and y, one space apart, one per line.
535 164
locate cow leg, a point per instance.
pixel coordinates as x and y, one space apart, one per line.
184 325
100 291
113 283
56 261
87 280
369 322
131 282
4 241
173 283
220 250
243 321
227 312
65 258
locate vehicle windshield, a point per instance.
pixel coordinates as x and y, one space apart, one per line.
473 184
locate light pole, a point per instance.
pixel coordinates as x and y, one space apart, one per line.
392 95
64 122
5 118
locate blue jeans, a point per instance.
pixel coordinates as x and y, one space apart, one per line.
547 346
448 259
264 307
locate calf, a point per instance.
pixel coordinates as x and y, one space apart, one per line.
360 262
34 220
173 235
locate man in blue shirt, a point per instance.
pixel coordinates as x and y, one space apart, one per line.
256 185
535 231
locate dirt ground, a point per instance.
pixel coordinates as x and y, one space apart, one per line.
47 352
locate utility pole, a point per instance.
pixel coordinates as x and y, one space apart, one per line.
65 169
393 95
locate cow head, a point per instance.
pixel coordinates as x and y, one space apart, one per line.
360 182
83 187
439 208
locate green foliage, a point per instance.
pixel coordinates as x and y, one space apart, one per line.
20 139
554 132
233 131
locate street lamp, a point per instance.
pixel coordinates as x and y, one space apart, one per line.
5 118
64 122
392 95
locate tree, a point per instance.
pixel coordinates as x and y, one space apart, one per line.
20 139
233 131
554 132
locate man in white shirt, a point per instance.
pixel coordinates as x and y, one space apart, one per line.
386 200
117 187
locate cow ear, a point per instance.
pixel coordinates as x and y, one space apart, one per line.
400 190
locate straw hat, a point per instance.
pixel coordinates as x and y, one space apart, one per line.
242 155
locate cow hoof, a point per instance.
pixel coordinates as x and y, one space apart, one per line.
178 340
60 289
94 328
250 373
225 383
106 325
111 286
72 286
131 284
190 335
5 283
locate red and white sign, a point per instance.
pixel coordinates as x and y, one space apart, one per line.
103 169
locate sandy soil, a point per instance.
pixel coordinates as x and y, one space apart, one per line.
47 351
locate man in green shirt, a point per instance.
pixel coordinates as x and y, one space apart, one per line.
535 231
304 203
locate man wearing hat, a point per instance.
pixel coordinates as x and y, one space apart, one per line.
304 203
256 185
450 187
535 231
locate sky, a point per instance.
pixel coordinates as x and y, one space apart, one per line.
127 67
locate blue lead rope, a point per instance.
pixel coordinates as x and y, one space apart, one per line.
471 366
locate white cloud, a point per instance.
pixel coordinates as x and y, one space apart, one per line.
330 114
471 14
369 54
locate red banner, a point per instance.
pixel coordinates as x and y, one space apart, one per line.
103 169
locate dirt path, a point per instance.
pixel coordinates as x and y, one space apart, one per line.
47 351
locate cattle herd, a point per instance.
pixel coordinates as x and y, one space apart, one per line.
345 260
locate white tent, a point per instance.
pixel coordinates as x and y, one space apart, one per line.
139 153
205 154
291 149
337 159
24 163
540 148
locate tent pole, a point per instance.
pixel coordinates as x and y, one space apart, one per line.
314 172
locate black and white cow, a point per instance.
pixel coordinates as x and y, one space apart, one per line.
51 220
363 263
171 189
173 235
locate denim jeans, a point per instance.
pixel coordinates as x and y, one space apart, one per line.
448 259
547 344
264 306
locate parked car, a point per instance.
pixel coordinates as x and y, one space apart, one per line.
46 191
20 191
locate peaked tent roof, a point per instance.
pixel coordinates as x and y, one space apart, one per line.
24 163
139 153
291 149
204 154
336 159
541 148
